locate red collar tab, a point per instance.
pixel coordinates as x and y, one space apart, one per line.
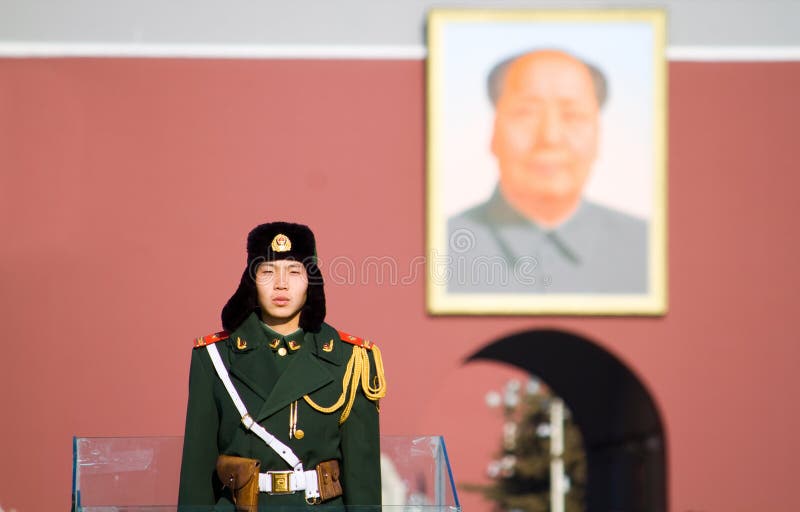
211 338
353 340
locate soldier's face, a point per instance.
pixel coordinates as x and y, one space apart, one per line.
546 127
282 289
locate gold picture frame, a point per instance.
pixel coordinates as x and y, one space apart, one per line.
546 162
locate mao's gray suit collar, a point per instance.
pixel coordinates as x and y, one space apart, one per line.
519 236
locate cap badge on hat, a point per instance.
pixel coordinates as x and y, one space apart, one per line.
281 243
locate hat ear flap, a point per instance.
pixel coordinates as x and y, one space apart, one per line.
243 302
313 312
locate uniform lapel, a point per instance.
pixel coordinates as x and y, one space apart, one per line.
256 370
308 371
328 346
304 374
250 362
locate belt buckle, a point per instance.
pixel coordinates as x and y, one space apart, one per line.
280 482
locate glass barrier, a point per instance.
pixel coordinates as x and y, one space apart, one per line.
140 474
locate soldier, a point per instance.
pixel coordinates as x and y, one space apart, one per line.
283 408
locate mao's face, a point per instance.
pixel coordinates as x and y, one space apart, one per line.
546 127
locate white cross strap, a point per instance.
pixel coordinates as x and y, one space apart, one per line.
281 449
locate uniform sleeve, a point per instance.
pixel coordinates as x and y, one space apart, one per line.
200 450
361 450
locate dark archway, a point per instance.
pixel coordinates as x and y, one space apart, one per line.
621 427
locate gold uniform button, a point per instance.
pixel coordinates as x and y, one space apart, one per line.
299 434
282 351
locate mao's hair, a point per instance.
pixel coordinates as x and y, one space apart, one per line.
497 76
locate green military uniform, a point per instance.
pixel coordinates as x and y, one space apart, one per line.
316 390
314 364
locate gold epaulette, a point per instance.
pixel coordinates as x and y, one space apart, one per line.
358 371
211 338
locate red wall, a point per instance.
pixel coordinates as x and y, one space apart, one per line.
127 188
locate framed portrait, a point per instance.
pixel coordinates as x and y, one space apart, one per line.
546 162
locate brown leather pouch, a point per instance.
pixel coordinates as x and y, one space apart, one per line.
328 479
240 475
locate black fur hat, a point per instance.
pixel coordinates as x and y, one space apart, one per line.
270 242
